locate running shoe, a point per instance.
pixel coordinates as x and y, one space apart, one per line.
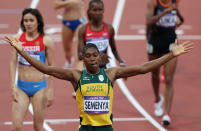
69 65
60 17
166 120
159 107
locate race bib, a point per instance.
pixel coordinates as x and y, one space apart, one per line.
168 20
101 43
23 61
96 104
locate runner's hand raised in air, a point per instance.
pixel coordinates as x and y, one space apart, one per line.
179 49
14 42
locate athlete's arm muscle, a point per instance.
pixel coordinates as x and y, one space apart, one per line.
122 72
113 44
81 41
49 54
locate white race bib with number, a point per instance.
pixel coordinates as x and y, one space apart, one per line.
96 104
22 61
101 43
168 20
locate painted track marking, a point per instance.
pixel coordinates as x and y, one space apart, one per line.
65 121
57 38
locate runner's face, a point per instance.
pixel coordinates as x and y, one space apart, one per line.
30 23
96 12
91 59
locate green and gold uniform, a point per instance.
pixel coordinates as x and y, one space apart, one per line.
94 95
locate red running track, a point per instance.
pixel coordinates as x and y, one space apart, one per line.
186 114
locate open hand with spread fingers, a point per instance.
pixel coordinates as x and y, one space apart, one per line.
14 42
179 49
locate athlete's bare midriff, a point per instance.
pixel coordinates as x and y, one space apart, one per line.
74 11
29 73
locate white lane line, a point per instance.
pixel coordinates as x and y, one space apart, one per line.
130 119
136 26
65 121
123 87
131 37
53 30
10 123
142 37
118 14
10 11
4 26
34 3
189 37
57 37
